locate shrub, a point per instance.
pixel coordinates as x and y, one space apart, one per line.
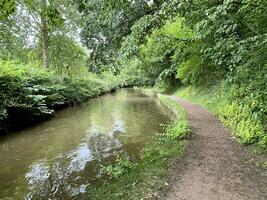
31 94
120 167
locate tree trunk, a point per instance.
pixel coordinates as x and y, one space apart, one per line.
45 49
45 38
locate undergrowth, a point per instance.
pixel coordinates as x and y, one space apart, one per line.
246 125
179 128
29 94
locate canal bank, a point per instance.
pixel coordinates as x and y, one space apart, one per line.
107 147
150 177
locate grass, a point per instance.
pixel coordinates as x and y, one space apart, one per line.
245 126
148 178
179 128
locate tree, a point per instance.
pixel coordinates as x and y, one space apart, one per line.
66 56
106 23
41 19
12 41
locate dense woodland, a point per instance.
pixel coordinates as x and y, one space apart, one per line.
56 53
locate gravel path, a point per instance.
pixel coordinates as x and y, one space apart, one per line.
215 166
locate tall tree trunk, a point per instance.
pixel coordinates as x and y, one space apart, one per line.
45 49
44 37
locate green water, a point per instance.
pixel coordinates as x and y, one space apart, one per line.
60 158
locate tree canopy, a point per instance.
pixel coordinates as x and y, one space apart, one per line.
180 43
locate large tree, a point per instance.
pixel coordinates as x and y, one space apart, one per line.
40 20
106 23
113 29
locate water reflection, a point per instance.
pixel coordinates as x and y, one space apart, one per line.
79 157
59 158
58 176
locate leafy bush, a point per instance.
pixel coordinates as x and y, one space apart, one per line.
241 120
120 167
178 129
31 94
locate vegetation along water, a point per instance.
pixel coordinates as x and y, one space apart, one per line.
68 127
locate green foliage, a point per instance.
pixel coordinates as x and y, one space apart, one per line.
207 43
121 166
26 90
106 23
12 41
131 43
114 31
7 7
179 128
33 94
36 28
241 120
66 56
133 74
188 72
239 117
157 53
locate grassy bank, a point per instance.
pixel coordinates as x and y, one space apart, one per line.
240 114
30 94
148 178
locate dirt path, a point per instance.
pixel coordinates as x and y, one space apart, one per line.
215 166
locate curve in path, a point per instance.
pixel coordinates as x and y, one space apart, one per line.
215 166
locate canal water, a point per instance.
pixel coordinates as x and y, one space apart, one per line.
61 158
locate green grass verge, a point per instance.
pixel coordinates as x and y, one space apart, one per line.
146 179
245 125
179 128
